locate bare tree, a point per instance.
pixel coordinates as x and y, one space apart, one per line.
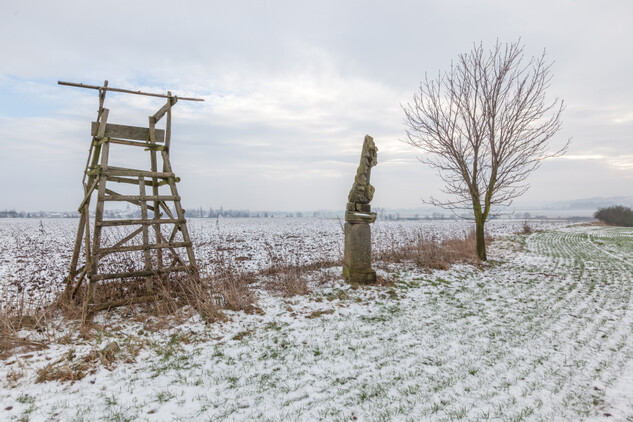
485 125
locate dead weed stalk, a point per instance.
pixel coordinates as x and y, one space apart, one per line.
431 253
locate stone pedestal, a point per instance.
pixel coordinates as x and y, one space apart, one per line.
357 254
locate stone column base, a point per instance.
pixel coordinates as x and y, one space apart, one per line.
357 254
354 275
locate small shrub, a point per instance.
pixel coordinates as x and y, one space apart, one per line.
526 228
616 215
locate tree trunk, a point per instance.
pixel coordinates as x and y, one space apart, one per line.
481 240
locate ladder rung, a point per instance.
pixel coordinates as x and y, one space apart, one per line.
136 144
105 251
108 223
120 171
143 273
141 198
135 181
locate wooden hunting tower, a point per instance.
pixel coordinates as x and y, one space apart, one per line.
151 244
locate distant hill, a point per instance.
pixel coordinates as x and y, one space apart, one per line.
591 203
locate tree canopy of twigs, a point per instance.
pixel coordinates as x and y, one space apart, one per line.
485 125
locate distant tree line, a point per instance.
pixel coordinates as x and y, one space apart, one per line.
616 215
221 212
36 214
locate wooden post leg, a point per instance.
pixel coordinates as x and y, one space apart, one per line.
96 240
181 216
154 168
89 268
146 252
76 251
174 190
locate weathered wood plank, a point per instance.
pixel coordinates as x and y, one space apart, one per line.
168 127
77 249
155 192
142 198
88 194
96 240
127 91
180 213
143 247
173 252
174 232
136 144
112 193
152 131
117 179
166 182
131 222
146 253
82 276
87 241
167 210
99 129
121 171
125 239
125 132
160 113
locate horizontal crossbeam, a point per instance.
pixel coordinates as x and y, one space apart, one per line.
120 171
135 181
136 144
105 251
110 223
130 198
138 203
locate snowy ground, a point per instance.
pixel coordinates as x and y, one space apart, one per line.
35 254
544 332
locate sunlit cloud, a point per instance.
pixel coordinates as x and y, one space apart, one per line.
582 157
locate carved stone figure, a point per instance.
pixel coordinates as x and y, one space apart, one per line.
362 192
358 216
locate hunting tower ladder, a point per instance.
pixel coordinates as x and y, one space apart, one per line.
150 234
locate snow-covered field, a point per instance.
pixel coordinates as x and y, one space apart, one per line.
543 332
35 254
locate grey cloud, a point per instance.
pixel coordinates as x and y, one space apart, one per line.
292 88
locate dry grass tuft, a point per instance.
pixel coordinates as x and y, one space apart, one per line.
430 253
181 296
71 367
232 288
19 323
287 276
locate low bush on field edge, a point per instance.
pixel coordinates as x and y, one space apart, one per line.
616 215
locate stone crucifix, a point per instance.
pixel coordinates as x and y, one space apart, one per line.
358 216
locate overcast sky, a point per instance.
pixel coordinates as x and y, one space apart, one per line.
291 89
